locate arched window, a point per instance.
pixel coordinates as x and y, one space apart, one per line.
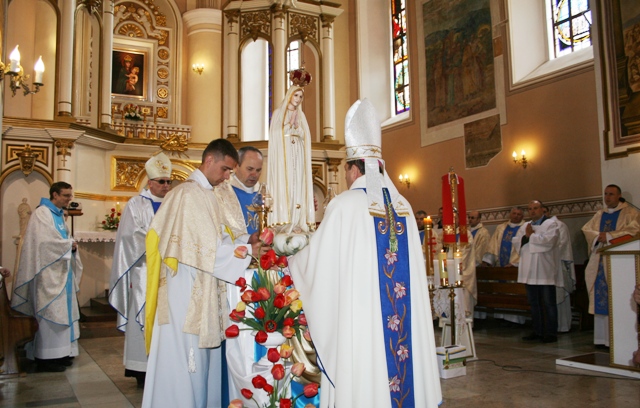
400 78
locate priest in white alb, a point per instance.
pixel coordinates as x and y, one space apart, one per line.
363 284
190 258
615 220
129 269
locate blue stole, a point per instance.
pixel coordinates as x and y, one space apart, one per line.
61 227
601 288
250 217
422 237
154 204
474 232
505 245
395 303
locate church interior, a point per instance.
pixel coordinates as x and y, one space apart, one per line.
483 87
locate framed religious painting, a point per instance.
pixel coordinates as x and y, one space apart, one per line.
618 49
128 69
460 72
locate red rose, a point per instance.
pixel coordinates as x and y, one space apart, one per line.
285 403
278 371
310 390
246 296
282 262
242 282
232 331
268 260
288 322
259 313
261 337
246 393
259 381
270 326
113 210
118 214
286 280
104 222
279 301
264 293
236 316
273 355
268 388
255 297
302 319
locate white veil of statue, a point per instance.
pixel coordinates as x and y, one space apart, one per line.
289 167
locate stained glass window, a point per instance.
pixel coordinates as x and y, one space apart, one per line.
571 22
400 56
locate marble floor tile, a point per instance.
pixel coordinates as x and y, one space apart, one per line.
508 373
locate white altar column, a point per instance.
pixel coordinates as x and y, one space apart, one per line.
279 54
231 74
204 35
64 140
107 54
328 85
65 68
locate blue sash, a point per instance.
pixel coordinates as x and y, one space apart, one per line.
58 222
505 245
601 288
395 303
154 204
250 217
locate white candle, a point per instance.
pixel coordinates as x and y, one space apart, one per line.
457 257
39 68
14 57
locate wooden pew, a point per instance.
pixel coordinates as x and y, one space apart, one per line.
499 291
16 330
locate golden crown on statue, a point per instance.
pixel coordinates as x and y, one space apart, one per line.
300 77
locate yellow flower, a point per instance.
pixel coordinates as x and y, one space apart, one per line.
241 306
296 305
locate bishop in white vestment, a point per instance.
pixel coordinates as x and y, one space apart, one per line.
129 268
363 284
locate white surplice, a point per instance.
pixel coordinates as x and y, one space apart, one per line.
46 285
129 277
180 373
337 276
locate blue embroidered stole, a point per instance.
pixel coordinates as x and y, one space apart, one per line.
395 302
58 222
601 288
250 217
505 245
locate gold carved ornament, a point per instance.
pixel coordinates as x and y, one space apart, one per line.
254 23
27 159
305 26
175 143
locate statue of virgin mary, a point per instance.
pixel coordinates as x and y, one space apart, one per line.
289 168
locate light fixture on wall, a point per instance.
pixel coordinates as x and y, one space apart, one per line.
404 179
17 76
523 161
198 68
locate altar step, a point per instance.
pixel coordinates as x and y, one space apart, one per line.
99 310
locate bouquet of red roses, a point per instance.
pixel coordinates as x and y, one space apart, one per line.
278 392
272 305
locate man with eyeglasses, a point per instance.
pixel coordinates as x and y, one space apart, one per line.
47 281
129 267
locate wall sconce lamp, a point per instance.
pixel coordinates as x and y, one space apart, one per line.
523 161
16 73
404 179
198 68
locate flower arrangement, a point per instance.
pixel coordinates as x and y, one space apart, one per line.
131 112
111 220
272 305
278 393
